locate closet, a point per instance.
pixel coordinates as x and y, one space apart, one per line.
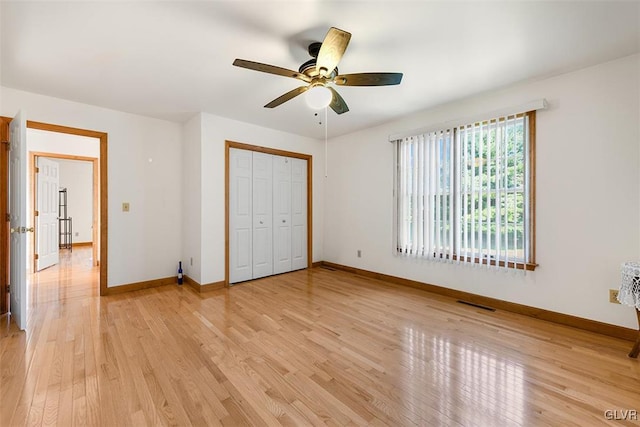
267 214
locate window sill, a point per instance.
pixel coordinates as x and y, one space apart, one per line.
510 264
483 261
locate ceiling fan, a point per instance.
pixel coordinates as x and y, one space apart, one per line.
321 71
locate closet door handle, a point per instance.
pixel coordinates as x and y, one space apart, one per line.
260 222
284 220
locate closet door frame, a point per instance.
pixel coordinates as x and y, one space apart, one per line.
249 147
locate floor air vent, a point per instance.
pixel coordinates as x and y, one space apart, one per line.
484 307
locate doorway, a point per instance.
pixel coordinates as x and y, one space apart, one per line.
78 196
101 231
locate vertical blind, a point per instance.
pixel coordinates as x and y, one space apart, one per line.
462 194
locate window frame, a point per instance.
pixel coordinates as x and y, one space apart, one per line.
529 208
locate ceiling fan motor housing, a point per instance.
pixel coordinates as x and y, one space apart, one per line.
309 69
314 49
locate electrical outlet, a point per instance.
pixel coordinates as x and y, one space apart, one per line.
359 253
613 296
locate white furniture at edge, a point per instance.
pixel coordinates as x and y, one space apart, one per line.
629 294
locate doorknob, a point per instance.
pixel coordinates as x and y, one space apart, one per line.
22 230
284 220
260 222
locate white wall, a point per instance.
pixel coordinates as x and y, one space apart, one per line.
77 177
62 143
588 195
144 169
215 130
191 198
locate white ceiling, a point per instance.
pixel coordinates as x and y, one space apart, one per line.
173 59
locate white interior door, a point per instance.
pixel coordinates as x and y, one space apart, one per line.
262 215
240 215
18 218
47 182
298 214
281 214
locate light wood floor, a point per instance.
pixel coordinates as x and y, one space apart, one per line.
308 348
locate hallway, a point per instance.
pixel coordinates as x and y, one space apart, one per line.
73 277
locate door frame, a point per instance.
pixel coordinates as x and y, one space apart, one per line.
274 151
4 211
4 230
33 155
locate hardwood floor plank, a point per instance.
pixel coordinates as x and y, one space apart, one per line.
161 379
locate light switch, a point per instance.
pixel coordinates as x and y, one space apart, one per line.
125 207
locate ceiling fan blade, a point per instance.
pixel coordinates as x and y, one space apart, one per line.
368 79
287 96
271 69
337 103
331 51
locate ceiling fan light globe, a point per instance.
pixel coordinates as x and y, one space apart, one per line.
318 97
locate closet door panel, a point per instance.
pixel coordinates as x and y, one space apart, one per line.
240 216
262 215
281 214
298 214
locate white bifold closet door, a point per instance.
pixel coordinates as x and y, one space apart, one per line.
240 215
281 214
267 214
298 214
262 215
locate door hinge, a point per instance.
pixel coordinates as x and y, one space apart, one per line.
37 213
37 169
8 288
8 217
7 145
36 256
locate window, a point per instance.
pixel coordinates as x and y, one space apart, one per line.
465 193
